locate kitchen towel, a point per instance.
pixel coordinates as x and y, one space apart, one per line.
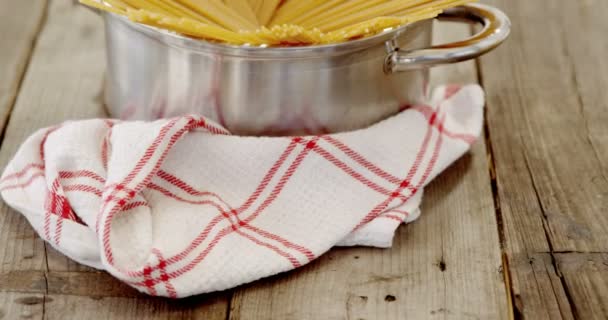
179 207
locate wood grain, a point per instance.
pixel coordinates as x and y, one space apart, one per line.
446 265
21 306
537 288
546 103
64 81
20 22
586 48
547 115
586 274
60 307
26 281
549 167
586 277
88 283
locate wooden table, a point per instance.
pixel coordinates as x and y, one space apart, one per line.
518 228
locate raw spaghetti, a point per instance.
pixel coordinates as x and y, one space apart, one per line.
276 22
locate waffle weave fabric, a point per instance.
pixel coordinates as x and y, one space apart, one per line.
179 207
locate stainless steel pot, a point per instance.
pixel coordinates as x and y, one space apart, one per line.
283 91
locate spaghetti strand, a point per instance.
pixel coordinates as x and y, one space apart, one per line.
276 22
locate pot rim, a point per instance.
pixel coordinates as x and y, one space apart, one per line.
313 51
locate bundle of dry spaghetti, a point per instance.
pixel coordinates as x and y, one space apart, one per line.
276 22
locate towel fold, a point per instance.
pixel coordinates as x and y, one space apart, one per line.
179 207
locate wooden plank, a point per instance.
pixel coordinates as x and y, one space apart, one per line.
537 126
59 307
586 47
76 58
21 306
537 288
22 249
547 139
88 283
535 293
64 81
446 265
20 22
32 281
586 277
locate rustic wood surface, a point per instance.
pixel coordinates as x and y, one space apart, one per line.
547 107
20 22
515 230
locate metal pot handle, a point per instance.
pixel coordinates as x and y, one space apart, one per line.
497 27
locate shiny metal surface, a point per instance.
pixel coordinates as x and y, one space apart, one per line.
265 91
496 29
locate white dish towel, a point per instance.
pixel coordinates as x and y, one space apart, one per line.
179 207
